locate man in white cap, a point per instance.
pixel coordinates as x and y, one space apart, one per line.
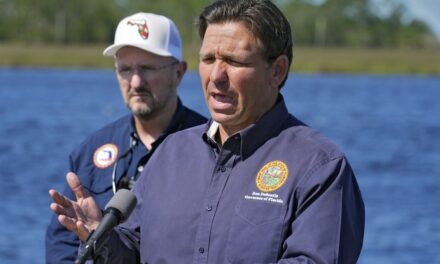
149 67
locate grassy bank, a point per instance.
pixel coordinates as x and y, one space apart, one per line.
328 60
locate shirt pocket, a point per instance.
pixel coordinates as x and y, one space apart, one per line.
255 233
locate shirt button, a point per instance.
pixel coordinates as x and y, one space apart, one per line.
140 168
201 250
208 208
222 169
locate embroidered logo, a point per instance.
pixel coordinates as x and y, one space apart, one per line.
272 176
141 26
105 156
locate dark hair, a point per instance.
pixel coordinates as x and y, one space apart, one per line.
262 17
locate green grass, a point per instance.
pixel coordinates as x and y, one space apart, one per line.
54 56
374 61
306 59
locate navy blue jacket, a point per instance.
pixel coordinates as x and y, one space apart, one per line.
94 161
276 192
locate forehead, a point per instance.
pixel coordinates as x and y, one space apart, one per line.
228 38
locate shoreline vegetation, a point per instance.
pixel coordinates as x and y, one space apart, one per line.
306 59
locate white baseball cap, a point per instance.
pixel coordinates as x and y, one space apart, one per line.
154 33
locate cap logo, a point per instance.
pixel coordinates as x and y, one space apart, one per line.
141 26
272 176
105 156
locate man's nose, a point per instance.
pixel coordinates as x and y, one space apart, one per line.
219 74
136 80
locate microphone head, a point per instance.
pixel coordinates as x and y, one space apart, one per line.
124 201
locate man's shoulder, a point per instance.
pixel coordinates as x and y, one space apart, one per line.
189 138
194 132
193 118
115 127
113 132
310 141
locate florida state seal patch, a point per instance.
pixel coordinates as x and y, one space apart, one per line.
272 176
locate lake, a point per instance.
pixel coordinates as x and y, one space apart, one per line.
389 127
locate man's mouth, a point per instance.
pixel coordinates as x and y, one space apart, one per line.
222 98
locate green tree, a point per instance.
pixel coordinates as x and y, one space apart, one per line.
352 23
314 22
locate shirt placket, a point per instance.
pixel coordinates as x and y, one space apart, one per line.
140 158
220 174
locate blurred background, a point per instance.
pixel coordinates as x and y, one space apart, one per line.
378 36
366 73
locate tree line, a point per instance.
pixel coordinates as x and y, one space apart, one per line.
330 23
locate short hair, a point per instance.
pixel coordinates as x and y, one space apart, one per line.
262 17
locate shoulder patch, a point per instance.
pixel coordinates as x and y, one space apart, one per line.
105 156
272 176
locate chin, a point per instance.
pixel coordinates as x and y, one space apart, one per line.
222 119
141 111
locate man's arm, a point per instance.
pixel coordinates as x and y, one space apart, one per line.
328 225
80 216
83 215
121 245
61 244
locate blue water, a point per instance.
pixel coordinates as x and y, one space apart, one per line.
389 126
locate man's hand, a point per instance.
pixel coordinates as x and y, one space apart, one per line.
81 216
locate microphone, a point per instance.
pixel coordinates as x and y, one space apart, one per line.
117 210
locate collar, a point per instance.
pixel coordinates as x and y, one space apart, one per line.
177 123
255 135
134 138
212 131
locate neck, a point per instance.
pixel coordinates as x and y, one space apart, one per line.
150 129
225 131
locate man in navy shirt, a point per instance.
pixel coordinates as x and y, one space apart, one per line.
149 68
254 184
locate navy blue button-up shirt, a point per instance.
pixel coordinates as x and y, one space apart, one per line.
276 192
94 162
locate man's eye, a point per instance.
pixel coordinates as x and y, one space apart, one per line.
208 60
146 68
235 63
123 70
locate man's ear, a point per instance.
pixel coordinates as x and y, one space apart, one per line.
181 70
280 68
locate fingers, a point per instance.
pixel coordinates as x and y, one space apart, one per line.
82 232
62 210
59 199
57 209
77 227
75 185
68 222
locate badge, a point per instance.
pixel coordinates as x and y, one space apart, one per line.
141 25
105 156
272 176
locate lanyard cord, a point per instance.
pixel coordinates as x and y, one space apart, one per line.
125 154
